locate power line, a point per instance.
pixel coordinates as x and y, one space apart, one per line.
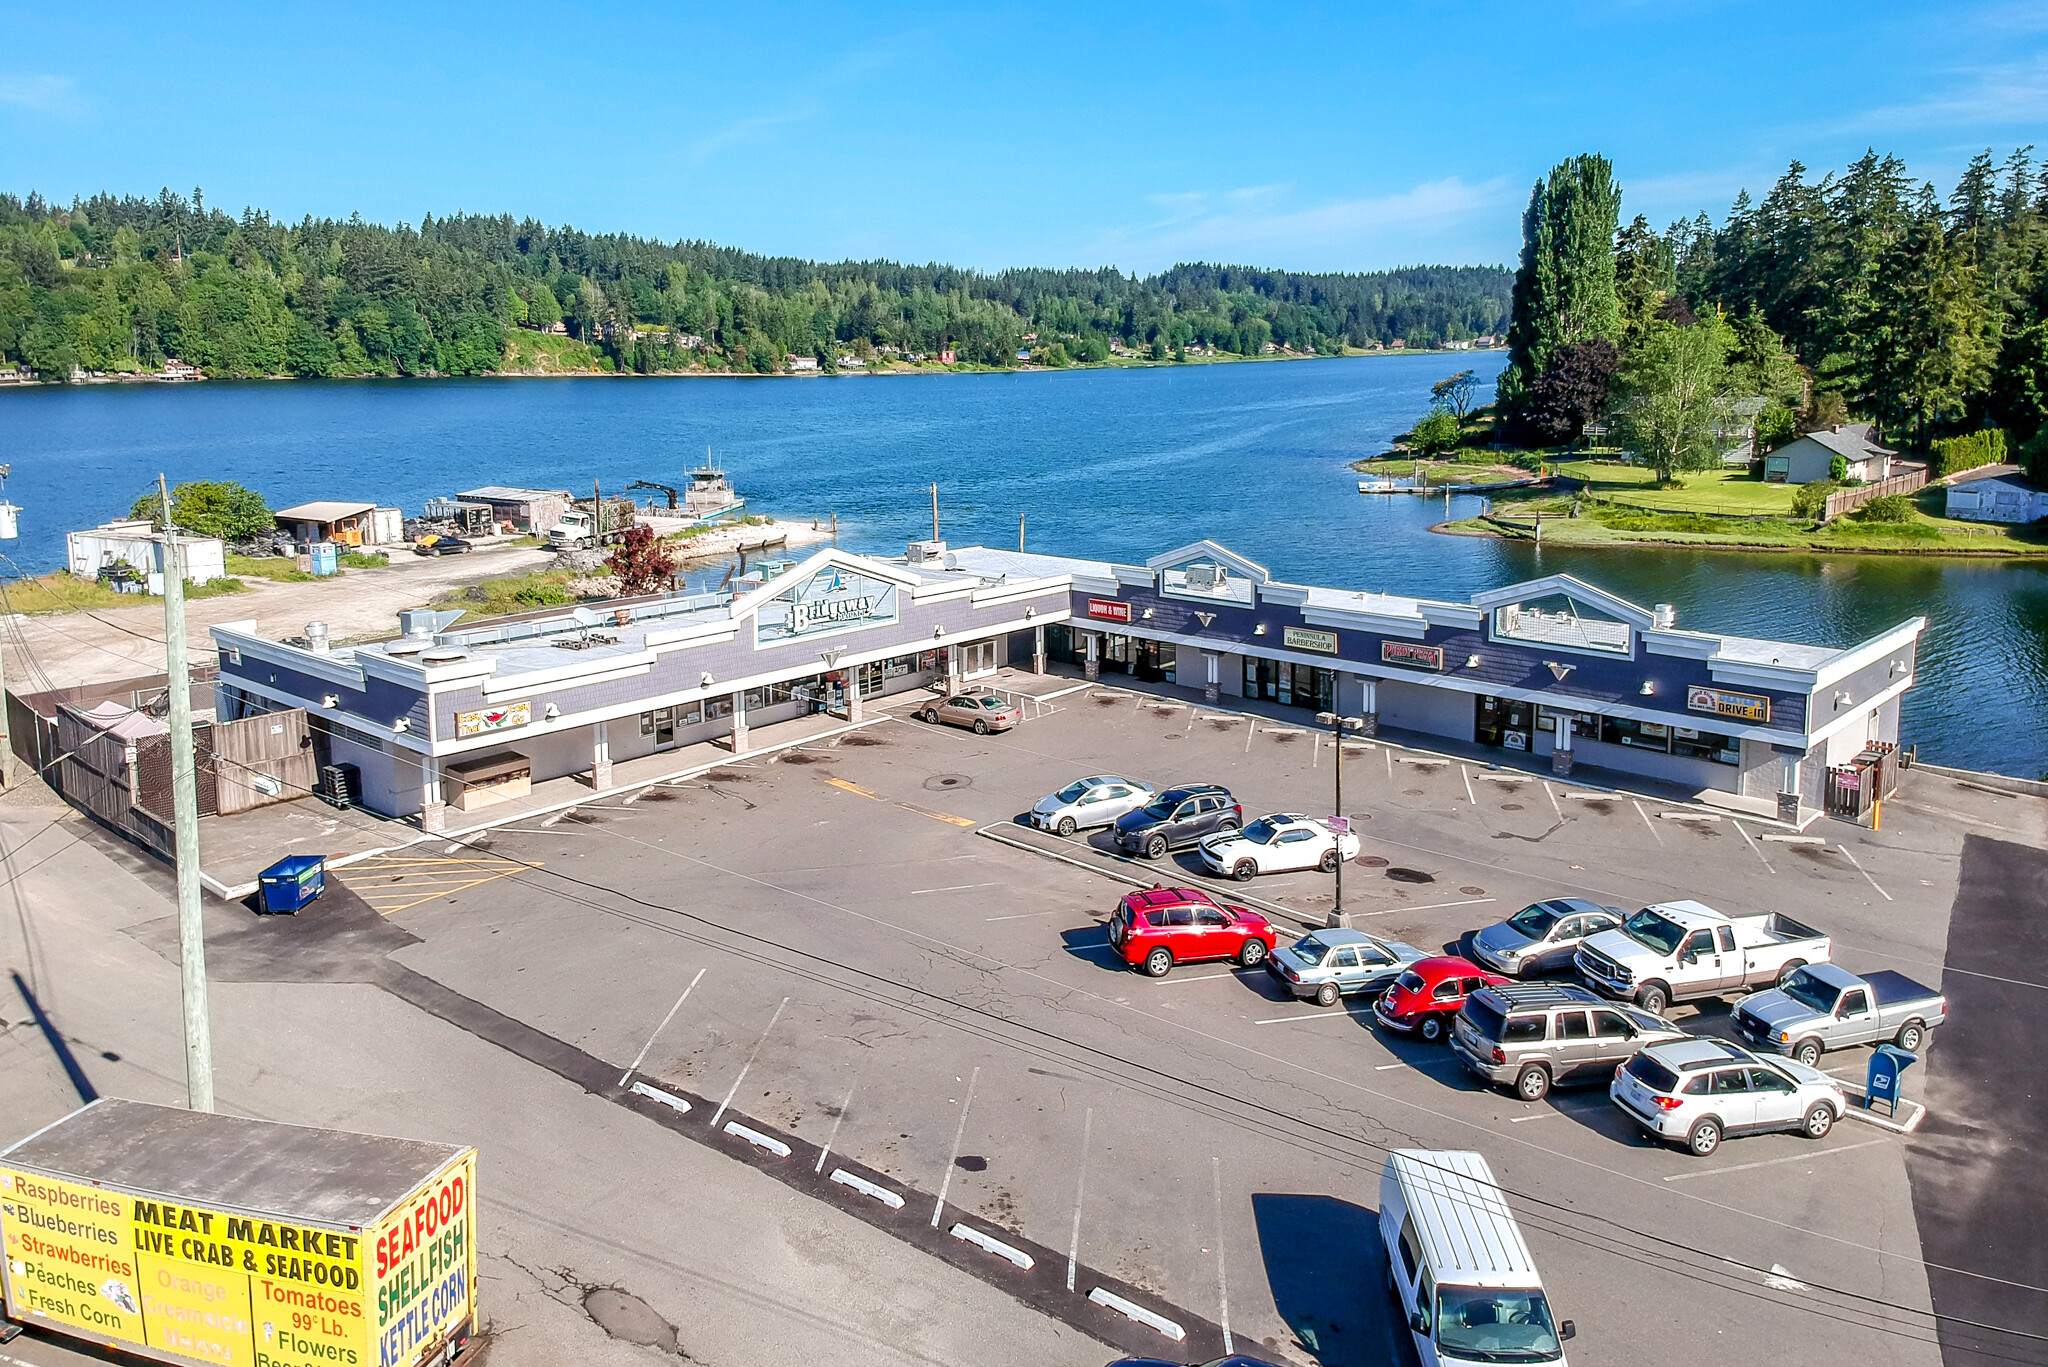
1160 1076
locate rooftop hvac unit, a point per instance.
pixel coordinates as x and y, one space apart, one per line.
923 551
1665 616
1208 578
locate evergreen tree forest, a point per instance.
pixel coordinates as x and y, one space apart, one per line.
122 284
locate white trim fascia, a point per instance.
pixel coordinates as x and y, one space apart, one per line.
1089 584
1000 595
1642 619
1174 559
579 675
715 632
1681 645
1283 595
1778 677
1134 577
1452 615
341 672
1412 627
943 592
1871 651
1857 711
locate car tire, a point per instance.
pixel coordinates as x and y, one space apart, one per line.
1158 963
1533 1083
1431 1029
1329 861
980 727
1703 1138
931 716
1251 953
1788 970
1911 1036
1818 1121
1654 998
1065 828
1529 971
1155 848
1244 870
1327 995
1807 1051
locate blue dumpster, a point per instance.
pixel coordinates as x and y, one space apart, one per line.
290 884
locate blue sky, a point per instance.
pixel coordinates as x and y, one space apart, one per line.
1322 137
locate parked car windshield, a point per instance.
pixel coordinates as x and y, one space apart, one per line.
1073 792
1805 989
1495 1325
1652 931
1311 949
1534 921
1260 832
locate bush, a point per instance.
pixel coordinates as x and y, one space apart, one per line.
2034 456
1890 508
1435 434
1838 468
544 594
365 560
1812 499
1953 455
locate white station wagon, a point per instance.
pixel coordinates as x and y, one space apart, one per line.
1278 843
1694 1091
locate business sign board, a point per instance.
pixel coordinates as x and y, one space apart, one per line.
1408 653
504 718
1720 702
1298 638
1109 610
825 604
186 1282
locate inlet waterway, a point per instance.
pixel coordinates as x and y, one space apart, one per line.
1120 464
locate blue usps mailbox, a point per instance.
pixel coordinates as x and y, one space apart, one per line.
1887 1066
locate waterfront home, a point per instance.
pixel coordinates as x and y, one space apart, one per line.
1996 495
1812 456
803 362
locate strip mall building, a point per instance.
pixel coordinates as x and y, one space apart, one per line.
1551 668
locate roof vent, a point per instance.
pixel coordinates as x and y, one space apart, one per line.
1665 616
444 655
316 637
406 646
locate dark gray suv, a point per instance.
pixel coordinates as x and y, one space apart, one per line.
1530 1035
1176 819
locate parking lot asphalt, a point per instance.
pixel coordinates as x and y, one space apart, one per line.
857 948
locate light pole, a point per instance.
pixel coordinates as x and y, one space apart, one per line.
1340 824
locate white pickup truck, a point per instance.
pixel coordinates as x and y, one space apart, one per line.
1676 951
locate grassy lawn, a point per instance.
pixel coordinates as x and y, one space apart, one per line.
279 567
61 592
546 352
1731 492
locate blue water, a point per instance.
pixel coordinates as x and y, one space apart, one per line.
1121 464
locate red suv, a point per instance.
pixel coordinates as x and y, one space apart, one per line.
1166 926
1428 994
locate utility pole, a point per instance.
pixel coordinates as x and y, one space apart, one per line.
935 512
1020 533
185 819
596 514
1340 824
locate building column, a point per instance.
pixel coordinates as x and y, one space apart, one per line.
1091 667
739 723
1788 788
1038 650
1212 683
600 756
433 804
853 712
1561 752
1369 706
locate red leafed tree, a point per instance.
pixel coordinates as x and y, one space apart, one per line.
641 562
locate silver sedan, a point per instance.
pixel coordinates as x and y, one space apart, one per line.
1095 801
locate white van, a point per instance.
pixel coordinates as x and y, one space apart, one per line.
1461 1272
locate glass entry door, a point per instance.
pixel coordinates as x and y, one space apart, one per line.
1261 678
1504 722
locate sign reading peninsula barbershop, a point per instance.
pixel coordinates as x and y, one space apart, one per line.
1408 653
1720 702
1297 638
1109 610
829 601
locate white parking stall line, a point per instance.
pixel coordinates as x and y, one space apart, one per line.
1319 1015
1752 844
1222 1286
1648 824
957 887
1028 915
1390 764
837 1121
1551 793
946 1182
1773 1162
1249 732
1080 1191
1860 869
751 1054
1315 752
1207 977
634 1066
1470 796
1555 1111
1432 906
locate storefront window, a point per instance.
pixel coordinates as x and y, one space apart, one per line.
1706 745
1637 735
1583 723
719 708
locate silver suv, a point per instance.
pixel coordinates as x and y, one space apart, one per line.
1530 1035
1694 1092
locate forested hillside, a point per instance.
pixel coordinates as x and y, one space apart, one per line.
121 284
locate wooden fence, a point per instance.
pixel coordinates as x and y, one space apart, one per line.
1842 500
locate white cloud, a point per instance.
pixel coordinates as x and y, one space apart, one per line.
52 95
1997 96
1260 225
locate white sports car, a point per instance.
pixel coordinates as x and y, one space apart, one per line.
1095 801
1276 844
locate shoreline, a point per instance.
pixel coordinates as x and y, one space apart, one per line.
1462 527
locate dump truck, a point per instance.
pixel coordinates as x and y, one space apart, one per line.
191 1238
579 528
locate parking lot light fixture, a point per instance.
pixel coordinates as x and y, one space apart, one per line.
1340 825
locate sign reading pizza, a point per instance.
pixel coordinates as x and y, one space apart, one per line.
1720 702
1109 610
1408 653
493 718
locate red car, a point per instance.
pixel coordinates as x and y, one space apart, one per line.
1157 929
1427 995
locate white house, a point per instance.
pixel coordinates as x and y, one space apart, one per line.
1997 498
1812 456
133 543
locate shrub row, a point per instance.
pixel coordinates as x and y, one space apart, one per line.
1953 455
